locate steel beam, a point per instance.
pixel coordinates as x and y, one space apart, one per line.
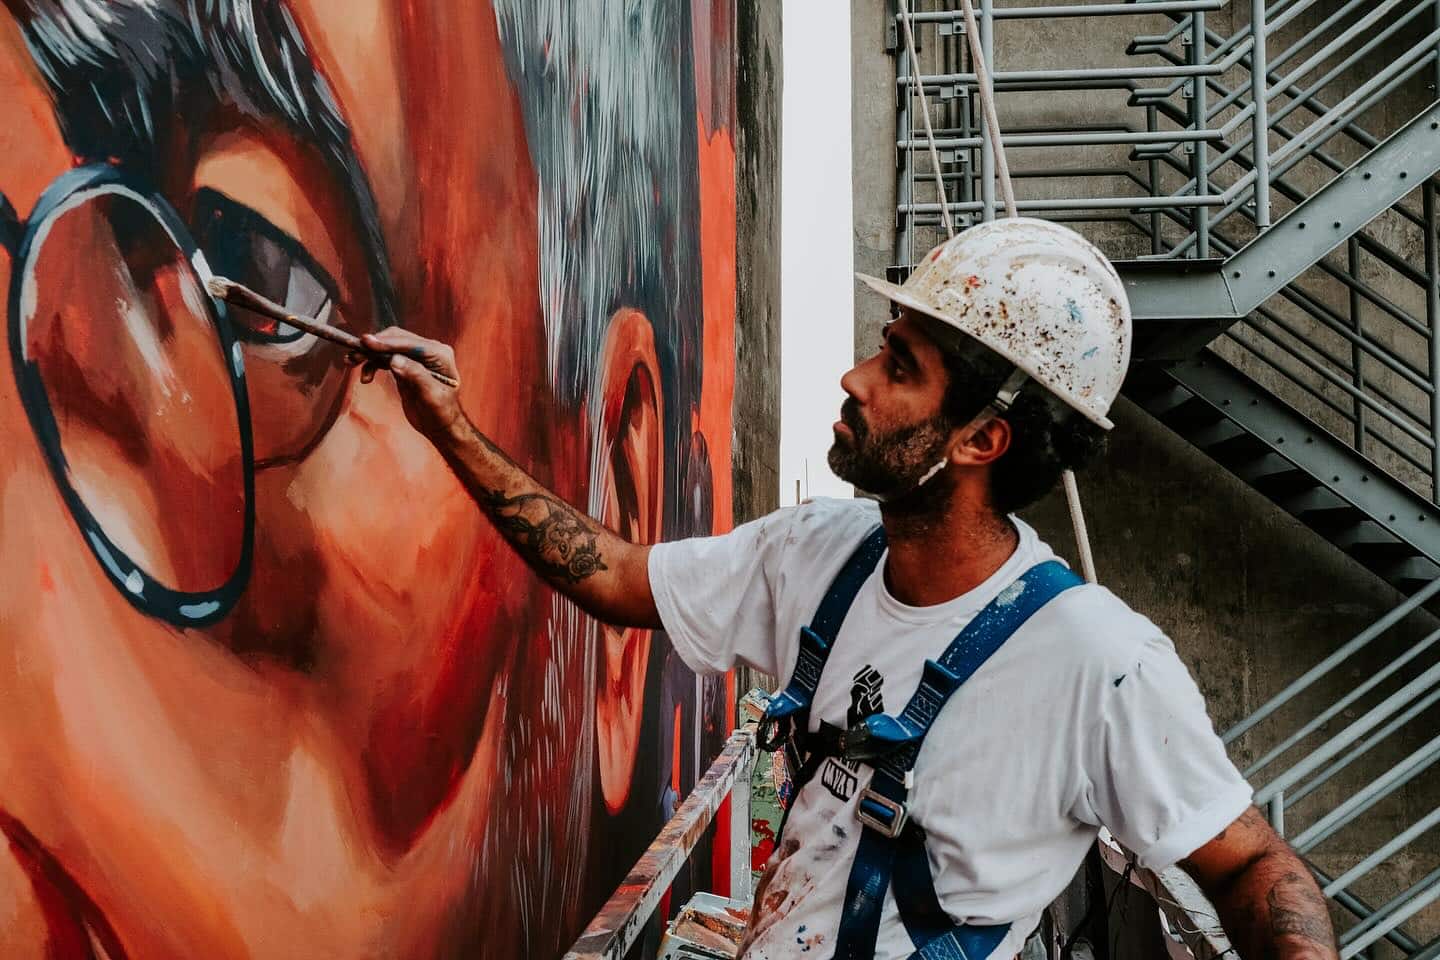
1329 460
1274 259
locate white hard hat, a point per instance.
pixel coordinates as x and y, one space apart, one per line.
1039 295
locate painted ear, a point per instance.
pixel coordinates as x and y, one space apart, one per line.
630 479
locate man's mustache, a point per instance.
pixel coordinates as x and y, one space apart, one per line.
850 416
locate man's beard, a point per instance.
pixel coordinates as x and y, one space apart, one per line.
890 464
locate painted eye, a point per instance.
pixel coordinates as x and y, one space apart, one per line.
243 245
296 382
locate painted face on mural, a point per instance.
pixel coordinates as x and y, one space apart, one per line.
269 664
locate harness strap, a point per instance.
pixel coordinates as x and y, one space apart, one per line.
895 743
789 711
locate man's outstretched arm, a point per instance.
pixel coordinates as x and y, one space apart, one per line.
606 575
1269 904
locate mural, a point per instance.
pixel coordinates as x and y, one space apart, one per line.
269 684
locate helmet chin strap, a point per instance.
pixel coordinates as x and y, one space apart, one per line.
998 405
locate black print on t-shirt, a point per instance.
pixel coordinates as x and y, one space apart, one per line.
866 700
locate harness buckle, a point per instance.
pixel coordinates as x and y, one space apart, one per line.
878 812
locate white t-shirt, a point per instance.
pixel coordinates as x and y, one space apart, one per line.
1085 717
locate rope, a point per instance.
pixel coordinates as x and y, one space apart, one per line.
915 74
986 90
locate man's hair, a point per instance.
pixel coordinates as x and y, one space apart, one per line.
1047 437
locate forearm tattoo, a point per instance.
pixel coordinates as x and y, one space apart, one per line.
559 542
1298 913
552 536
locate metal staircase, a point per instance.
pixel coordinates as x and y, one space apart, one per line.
1263 175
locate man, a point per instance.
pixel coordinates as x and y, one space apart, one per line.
1012 343
394 742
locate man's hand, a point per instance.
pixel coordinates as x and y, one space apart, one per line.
1269 904
432 407
607 576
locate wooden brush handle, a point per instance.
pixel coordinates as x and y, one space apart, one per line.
242 296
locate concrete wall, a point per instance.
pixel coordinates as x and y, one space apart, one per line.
756 468
1250 596
757 261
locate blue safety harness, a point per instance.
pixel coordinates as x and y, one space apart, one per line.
891 853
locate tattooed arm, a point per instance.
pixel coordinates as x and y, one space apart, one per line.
602 572
1268 903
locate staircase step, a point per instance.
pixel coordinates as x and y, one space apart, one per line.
1221 432
1322 507
1191 416
1274 476
1412 574
1158 397
1237 450
1372 545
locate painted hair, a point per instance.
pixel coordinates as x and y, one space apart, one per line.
120 71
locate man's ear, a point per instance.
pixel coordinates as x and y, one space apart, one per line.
986 443
629 478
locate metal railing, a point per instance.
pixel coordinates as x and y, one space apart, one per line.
1213 162
1221 136
967 187
1381 709
621 921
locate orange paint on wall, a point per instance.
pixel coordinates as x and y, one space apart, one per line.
29 137
717 253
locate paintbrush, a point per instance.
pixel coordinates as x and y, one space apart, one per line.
240 295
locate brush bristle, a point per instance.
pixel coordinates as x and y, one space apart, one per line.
218 286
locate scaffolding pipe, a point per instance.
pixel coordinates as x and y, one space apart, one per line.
1329 713
1414 433
1071 203
1066 139
1331 662
1261 135
1372 719
1400 915
1364 746
989 147
1078 10
1432 318
1382 912
1199 154
1397 843
1372 793
1097 73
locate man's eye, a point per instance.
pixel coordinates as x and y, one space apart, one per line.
241 244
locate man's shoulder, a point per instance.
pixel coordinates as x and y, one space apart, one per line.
824 525
1090 625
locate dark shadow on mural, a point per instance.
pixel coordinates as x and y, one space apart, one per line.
272 686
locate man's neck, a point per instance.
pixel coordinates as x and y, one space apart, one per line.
936 557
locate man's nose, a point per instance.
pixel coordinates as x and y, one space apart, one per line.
851 381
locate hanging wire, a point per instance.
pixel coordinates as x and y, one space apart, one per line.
917 84
986 92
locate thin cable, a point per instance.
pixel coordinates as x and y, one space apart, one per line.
987 104
986 90
917 84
